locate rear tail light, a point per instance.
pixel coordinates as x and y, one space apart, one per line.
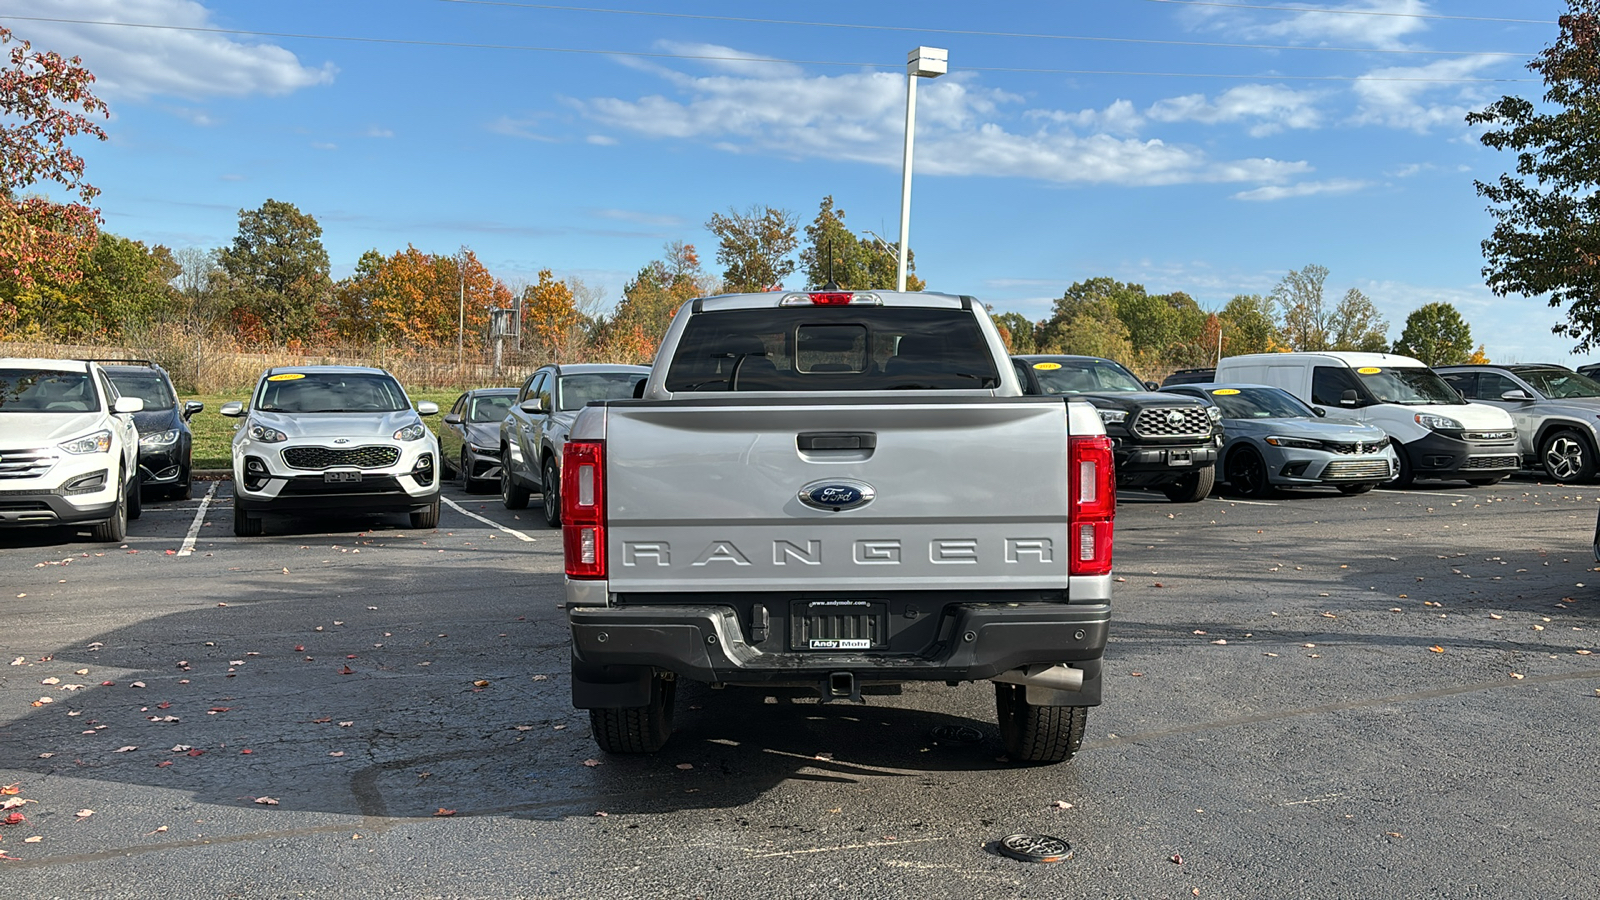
583 508
1092 504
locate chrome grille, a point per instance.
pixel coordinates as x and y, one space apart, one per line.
1356 447
1489 435
376 457
1356 470
1189 421
25 463
1492 462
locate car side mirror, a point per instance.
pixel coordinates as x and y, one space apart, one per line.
128 405
532 406
453 419
1349 398
1152 386
427 408
1516 394
190 407
233 409
1321 413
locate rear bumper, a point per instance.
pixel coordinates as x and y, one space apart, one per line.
707 644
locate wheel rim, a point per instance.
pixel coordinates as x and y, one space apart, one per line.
505 482
462 467
552 497
1563 458
1247 472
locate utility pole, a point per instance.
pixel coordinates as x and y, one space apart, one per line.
461 309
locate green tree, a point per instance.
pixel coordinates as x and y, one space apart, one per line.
834 253
1546 238
755 247
1248 326
1085 322
1018 331
1306 321
1437 335
649 301
1357 324
277 270
121 285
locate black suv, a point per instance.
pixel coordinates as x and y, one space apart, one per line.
165 442
1160 440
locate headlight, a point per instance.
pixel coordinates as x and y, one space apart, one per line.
267 435
159 439
1215 412
99 442
477 449
411 432
1301 443
1437 423
1112 416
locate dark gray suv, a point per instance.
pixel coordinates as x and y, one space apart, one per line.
1557 411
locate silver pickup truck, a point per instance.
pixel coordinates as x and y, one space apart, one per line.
832 490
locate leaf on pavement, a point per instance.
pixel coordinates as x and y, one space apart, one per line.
1436 649
83 814
441 812
480 683
7 790
51 680
267 801
591 763
346 724
128 749
33 840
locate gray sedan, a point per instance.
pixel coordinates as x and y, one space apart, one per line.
1275 441
469 442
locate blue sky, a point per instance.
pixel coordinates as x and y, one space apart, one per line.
1204 147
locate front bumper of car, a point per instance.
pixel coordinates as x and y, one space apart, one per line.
164 463
482 464
1290 466
1143 464
315 473
49 487
1445 455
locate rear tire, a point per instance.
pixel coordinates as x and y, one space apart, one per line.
513 495
428 518
1404 477
637 729
1037 734
136 497
1192 488
464 471
244 524
115 529
551 495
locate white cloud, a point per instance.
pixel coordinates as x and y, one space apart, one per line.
374 131
324 145
1119 118
1303 189
1272 108
859 117
1348 28
136 63
231 177
1404 97
519 128
638 218
601 140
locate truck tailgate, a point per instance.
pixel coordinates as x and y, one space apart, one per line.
967 493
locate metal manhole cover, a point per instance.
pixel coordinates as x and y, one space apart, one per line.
1036 848
956 734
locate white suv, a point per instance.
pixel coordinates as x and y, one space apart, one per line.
332 438
69 451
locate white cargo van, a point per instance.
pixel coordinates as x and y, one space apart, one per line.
1437 433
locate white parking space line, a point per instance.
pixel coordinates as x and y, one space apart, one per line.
1245 502
489 522
199 519
1429 494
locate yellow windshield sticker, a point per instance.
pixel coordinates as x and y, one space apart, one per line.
1223 392
287 376
1369 370
1047 366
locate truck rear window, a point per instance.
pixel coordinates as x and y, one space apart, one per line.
832 349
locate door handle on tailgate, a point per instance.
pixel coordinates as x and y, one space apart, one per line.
837 440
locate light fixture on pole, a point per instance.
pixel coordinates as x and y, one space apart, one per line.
923 62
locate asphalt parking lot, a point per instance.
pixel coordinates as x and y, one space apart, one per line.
1320 696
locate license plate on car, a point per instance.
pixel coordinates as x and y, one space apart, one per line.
340 477
1178 458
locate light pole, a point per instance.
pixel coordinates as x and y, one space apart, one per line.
461 306
923 62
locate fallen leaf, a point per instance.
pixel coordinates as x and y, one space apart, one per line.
51 680
1583 652
19 661
32 840
601 813
346 670
1517 675
137 684
336 753
246 752
1176 858
160 829
685 766
196 752
267 801
84 813
1436 648
15 818
480 683
1496 616
346 724
1061 804
1220 641
164 763
8 790
441 811
128 749
591 763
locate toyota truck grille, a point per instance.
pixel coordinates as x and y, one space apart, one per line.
25 463
1491 462
1357 447
1356 470
329 457
1189 421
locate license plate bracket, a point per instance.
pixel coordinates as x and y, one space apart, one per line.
1180 458
833 626
341 477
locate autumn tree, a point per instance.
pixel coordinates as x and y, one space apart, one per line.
1437 335
754 245
44 101
635 329
1357 324
834 253
121 285
277 270
1546 238
550 316
1018 331
1248 326
1306 321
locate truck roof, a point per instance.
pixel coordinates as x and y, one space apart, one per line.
769 299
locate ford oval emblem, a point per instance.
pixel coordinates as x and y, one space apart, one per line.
837 495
